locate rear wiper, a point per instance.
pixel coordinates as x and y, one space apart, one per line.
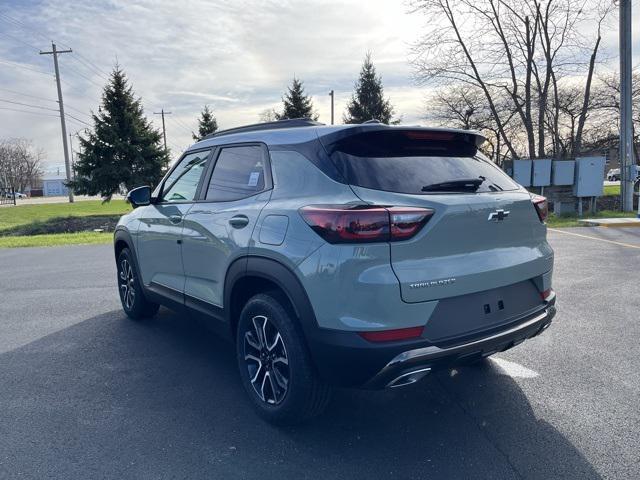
464 184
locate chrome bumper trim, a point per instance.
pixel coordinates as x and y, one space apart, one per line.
432 351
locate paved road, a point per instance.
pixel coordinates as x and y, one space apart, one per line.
85 393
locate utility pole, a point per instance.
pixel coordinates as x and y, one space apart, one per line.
73 171
626 126
55 54
164 130
331 94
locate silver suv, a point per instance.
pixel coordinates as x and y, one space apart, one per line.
354 255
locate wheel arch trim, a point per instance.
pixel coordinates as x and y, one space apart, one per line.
122 235
278 274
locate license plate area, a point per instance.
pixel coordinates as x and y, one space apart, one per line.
472 313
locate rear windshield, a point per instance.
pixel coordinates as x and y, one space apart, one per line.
417 165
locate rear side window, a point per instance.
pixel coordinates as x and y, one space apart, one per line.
239 172
406 162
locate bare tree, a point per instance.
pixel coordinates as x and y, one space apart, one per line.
268 115
464 106
518 48
20 163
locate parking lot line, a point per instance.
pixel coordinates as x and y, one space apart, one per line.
513 369
595 238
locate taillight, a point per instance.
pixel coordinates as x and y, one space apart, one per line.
392 335
365 224
542 206
546 294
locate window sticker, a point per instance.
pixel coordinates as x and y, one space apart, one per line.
253 179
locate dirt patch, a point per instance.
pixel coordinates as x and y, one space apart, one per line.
106 223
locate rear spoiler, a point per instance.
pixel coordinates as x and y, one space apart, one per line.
385 141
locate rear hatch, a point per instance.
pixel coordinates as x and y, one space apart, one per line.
484 233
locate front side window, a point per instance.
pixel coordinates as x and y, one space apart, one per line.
238 173
182 184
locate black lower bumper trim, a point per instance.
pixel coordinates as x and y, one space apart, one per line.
434 357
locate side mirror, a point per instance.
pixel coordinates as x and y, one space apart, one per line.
140 196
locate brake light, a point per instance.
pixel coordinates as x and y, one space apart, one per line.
392 335
542 206
365 224
429 135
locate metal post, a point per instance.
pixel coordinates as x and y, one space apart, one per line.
626 124
331 94
67 165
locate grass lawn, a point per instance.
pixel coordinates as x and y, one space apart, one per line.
571 220
56 239
26 214
43 217
611 190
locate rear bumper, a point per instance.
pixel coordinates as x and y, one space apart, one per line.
398 371
348 360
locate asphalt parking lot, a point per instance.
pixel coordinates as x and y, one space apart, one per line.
86 393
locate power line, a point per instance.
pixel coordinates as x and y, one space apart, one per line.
180 126
19 65
78 120
92 65
18 23
28 105
21 41
28 95
181 123
84 76
29 111
77 57
77 110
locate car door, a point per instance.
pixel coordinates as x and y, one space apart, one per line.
218 229
161 223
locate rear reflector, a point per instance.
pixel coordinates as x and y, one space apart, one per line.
392 335
541 205
365 223
546 294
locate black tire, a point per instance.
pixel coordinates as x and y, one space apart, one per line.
281 392
134 303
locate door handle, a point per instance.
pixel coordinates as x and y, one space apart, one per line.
239 221
175 219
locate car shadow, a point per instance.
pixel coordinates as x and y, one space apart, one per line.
113 398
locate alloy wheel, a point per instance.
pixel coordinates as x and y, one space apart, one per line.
266 360
127 285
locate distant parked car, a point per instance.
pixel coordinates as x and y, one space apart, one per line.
15 194
613 175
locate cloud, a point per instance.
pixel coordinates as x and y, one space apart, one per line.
203 95
238 56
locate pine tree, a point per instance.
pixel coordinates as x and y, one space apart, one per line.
368 102
296 103
122 149
207 124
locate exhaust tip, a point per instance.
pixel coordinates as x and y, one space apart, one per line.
409 378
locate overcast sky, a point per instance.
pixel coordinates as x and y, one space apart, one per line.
238 56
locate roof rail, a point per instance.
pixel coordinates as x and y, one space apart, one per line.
287 123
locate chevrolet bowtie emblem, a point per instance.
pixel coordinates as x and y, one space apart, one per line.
498 216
